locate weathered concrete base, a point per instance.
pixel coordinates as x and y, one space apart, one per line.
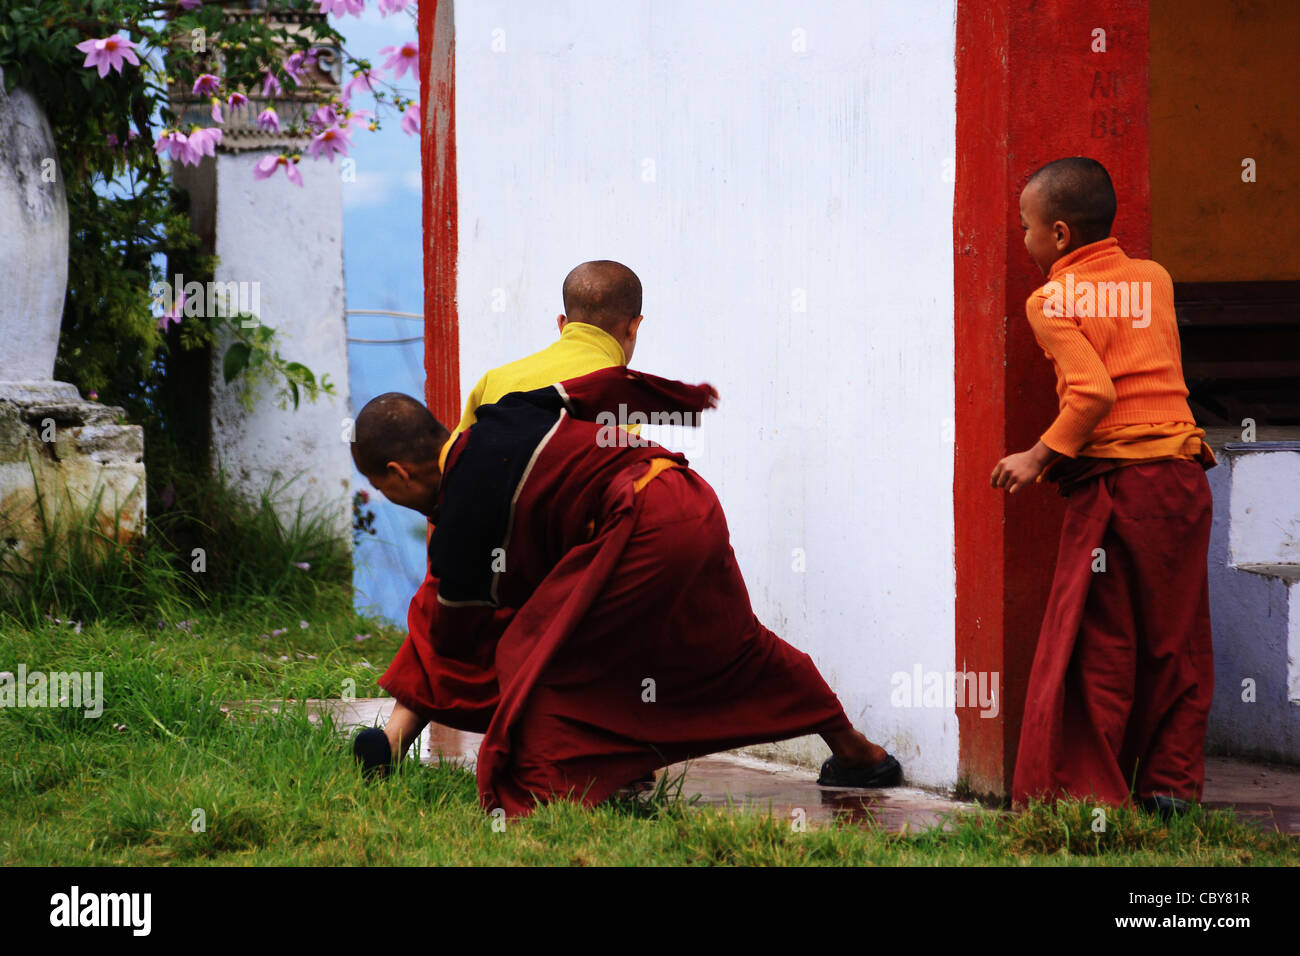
60 456
1255 601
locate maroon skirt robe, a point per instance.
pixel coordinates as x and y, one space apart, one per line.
1120 689
639 650
625 640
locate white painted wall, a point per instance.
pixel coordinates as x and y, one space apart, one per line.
1265 525
290 240
735 173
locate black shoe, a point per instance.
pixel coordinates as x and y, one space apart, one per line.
371 749
1165 805
887 773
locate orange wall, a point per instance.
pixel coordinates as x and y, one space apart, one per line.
1224 86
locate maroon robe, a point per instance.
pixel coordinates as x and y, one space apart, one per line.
1120 689
441 689
633 644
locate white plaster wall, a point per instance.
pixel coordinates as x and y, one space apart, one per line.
735 174
290 240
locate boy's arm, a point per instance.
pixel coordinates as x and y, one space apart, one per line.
1089 391
1089 396
1016 471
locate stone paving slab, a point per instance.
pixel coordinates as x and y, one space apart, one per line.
1265 794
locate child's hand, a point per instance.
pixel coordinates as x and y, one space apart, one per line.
1016 471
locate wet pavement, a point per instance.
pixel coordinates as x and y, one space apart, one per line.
1265 794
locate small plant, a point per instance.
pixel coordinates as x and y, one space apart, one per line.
215 548
363 519
81 565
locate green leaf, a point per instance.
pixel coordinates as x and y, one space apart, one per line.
236 361
293 390
302 371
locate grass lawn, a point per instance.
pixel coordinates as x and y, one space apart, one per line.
281 790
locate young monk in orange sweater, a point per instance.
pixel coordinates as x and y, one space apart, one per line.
1120 688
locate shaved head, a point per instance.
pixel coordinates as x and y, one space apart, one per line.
395 427
1078 192
604 294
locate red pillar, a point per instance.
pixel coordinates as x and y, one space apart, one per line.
1030 89
438 166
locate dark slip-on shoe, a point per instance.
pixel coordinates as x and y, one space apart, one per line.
887 773
1164 805
371 750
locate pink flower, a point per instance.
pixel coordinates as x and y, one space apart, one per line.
237 101
202 142
108 53
269 119
216 110
411 119
267 165
271 86
341 7
325 116
404 57
174 316
206 83
330 141
365 78
174 142
392 6
293 66
359 117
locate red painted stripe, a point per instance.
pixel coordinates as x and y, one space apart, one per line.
979 275
1029 90
441 223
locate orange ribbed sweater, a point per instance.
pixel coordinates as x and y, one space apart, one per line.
1107 324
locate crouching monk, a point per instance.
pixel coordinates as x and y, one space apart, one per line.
592 570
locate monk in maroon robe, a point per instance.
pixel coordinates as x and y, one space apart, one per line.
590 572
1119 694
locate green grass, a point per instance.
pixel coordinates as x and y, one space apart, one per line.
214 548
278 789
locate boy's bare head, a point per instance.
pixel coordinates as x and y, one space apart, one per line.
396 445
605 294
1066 204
